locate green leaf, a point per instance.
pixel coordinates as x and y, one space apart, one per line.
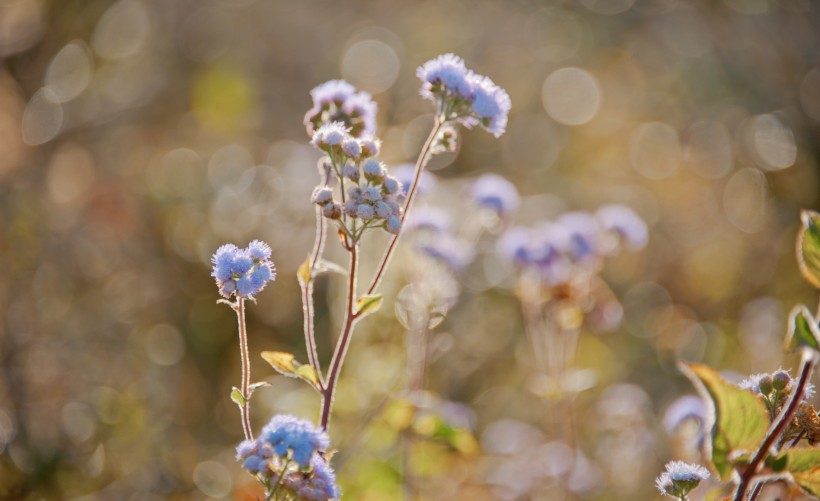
808 247
285 364
738 421
308 373
237 397
303 273
803 330
804 467
777 463
366 305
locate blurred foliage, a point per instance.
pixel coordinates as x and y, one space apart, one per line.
138 135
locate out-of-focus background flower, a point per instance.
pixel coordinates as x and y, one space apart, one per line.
136 136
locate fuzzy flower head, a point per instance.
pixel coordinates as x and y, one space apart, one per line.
319 484
541 249
493 192
338 101
454 253
624 223
584 236
243 272
463 96
680 478
294 437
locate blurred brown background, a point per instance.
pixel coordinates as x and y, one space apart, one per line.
136 136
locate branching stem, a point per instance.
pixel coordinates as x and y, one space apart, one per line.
777 428
421 163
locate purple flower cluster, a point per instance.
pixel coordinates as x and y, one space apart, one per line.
338 101
243 272
289 448
493 192
373 198
680 478
464 96
575 239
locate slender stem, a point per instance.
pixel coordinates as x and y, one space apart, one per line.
279 480
421 163
756 490
783 420
244 409
344 339
307 296
797 439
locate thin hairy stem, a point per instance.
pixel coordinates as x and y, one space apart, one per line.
421 163
756 491
307 296
344 339
777 428
244 409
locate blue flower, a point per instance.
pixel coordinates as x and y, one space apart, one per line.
285 433
393 224
373 170
329 135
491 104
584 235
463 96
259 250
494 192
453 252
244 272
625 223
430 219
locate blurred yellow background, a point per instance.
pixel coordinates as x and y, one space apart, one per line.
136 136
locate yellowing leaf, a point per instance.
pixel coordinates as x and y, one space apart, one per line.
803 330
738 421
808 247
285 364
366 305
308 373
281 361
303 273
804 467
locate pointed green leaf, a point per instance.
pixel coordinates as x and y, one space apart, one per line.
308 373
366 305
738 420
285 364
808 247
803 330
804 467
237 396
303 273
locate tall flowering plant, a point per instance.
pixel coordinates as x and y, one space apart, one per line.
356 195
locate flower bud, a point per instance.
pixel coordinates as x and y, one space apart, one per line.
781 380
765 384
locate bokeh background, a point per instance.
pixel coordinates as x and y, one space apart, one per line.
138 135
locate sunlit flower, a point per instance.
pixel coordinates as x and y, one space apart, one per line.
680 478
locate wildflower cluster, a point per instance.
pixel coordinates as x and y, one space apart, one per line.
463 96
574 240
287 456
680 478
372 196
338 101
243 272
